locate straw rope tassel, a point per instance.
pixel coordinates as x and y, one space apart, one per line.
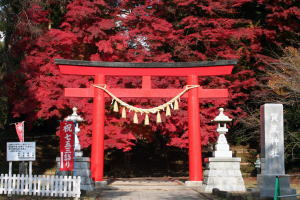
146 119
135 118
168 111
124 112
116 108
176 107
158 118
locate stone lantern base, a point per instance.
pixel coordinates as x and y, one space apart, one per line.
82 169
224 174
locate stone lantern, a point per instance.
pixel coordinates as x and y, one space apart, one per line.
81 164
223 171
222 147
76 119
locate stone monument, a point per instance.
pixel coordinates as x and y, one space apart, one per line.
81 164
272 151
223 171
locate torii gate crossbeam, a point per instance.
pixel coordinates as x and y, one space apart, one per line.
189 69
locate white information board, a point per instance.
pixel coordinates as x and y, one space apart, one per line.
20 151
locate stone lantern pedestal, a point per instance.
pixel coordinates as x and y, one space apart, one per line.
223 171
224 174
82 169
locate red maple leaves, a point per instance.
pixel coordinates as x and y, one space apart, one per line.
146 31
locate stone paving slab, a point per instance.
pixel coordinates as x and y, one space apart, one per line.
150 182
146 187
150 195
150 190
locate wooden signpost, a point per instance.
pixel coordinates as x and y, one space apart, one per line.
20 151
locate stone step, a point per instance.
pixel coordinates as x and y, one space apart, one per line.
145 183
145 187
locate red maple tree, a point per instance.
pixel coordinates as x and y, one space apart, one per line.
144 31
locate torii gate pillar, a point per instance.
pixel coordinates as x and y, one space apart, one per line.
97 156
195 158
189 69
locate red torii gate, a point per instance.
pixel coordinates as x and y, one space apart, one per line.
190 69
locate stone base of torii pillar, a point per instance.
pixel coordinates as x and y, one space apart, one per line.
223 171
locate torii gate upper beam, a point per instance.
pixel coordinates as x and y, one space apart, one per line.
205 68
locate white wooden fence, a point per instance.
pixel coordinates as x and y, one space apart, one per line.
56 186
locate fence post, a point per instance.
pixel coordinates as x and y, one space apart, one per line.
277 189
30 185
26 189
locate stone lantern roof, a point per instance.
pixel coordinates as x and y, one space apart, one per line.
74 117
222 117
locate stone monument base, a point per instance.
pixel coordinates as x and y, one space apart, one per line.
82 169
224 174
267 185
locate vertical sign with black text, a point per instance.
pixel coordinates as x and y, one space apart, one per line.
272 139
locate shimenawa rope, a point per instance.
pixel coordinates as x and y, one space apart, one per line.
173 103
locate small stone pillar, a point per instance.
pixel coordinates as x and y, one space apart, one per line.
223 171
